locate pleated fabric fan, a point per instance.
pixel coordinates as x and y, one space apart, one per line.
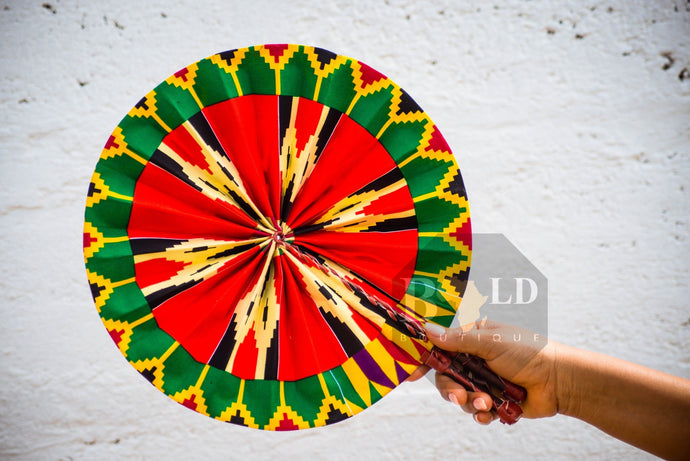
267 230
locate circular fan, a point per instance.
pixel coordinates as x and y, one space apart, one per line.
266 230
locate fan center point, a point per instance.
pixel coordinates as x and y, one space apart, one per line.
278 237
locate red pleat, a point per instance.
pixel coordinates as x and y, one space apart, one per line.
165 207
183 143
387 260
307 345
247 128
352 159
306 121
247 356
199 316
157 270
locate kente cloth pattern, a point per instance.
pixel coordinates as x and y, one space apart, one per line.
249 219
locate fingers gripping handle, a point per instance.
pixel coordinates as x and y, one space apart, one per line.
482 373
473 374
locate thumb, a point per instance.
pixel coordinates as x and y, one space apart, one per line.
473 342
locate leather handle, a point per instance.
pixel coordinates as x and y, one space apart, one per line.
474 374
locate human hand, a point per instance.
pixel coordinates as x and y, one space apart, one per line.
604 391
511 352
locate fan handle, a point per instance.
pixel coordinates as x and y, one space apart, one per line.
474 374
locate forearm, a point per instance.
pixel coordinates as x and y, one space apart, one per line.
643 407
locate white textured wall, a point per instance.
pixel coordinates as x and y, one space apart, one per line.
571 129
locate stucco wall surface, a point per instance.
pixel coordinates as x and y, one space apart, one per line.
571 124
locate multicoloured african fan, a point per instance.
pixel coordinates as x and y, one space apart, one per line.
266 230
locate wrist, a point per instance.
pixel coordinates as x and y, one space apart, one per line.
564 389
582 379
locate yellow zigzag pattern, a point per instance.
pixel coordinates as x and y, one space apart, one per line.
231 67
102 192
297 165
107 285
283 411
158 363
239 407
282 60
127 329
146 108
184 79
327 70
101 241
117 146
194 254
194 394
348 214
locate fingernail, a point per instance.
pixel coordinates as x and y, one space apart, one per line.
476 419
453 398
437 331
479 404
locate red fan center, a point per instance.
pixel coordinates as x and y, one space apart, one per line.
248 224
